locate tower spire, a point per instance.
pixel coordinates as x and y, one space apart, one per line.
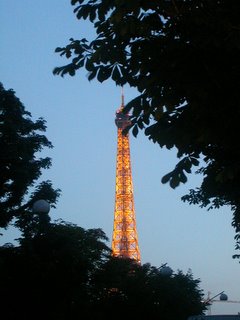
122 96
124 238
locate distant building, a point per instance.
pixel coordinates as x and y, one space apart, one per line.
216 317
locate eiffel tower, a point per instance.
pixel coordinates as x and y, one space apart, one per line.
124 238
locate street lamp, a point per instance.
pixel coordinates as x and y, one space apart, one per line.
41 208
166 270
222 297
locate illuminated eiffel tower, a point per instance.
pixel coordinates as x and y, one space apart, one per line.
125 238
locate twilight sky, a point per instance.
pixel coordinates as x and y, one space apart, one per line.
80 124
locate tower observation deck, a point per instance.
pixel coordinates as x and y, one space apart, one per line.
124 238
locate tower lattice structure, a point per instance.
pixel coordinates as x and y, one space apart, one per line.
125 238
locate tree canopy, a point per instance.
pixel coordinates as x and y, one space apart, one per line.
48 276
67 272
21 140
183 58
144 291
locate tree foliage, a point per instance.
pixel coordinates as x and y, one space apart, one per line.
144 291
183 58
67 273
48 276
21 139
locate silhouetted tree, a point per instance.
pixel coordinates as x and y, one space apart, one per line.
67 273
183 58
20 167
126 288
48 276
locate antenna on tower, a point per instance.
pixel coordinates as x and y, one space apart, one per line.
122 98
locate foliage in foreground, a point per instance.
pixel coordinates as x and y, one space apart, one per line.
183 58
67 273
21 140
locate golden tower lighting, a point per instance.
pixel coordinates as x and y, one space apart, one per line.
125 238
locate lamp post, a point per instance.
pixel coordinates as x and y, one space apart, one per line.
166 270
222 297
41 208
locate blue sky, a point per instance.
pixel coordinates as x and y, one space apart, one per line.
80 124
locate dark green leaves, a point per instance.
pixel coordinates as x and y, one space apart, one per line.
116 75
104 73
20 168
178 175
92 74
97 284
69 69
135 131
83 11
174 178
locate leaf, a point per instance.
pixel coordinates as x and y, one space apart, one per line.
140 123
68 53
167 177
92 15
73 2
174 182
133 103
145 119
89 65
116 74
58 49
84 11
72 72
80 63
92 74
194 161
183 177
187 165
76 60
103 74
59 71
135 131
76 9
158 113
